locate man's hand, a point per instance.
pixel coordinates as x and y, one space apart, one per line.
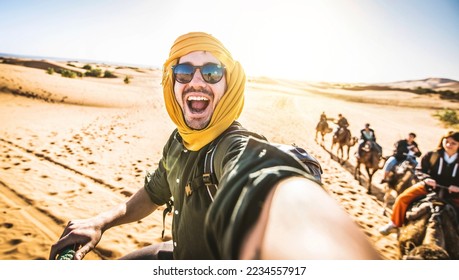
430 182
453 189
85 233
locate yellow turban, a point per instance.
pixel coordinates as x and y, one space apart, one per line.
228 108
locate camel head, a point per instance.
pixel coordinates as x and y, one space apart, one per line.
353 141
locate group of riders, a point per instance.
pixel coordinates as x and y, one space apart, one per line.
367 134
438 170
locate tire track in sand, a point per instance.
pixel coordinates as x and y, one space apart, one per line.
19 209
45 157
33 219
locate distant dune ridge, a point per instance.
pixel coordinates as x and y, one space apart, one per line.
71 148
437 84
429 83
40 64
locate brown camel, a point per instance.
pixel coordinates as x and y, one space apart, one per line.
431 231
370 158
344 139
322 128
401 177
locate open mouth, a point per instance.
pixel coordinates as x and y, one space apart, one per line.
197 104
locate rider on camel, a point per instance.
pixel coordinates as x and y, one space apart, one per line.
322 125
323 117
367 134
342 124
323 121
439 166
405 149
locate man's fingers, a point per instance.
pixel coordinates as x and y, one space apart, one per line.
66 230
57 248
79 255
52 253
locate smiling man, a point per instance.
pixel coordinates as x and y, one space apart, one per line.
238 210
198 94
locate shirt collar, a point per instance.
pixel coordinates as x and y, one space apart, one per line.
450 159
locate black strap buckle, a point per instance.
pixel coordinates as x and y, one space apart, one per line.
207 179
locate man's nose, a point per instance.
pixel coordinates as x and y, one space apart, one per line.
197 77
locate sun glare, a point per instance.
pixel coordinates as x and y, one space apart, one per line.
313 40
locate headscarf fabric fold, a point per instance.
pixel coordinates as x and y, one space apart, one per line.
228 108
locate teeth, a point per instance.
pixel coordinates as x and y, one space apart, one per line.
198 98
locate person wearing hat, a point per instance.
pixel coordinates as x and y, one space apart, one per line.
244 216
440 166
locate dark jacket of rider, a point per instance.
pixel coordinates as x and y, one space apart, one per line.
442 172
368 136
433 165
323 117
402 149
342 122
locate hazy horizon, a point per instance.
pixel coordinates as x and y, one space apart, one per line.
114 63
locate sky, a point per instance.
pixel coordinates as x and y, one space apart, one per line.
367 41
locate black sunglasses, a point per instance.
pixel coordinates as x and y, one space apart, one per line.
212 73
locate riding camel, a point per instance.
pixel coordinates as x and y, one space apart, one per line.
431 230
400 177
345 141
370 158
322 128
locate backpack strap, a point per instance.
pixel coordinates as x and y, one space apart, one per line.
433 158
208 178
421 176
311 163
169 205
209 173
167 210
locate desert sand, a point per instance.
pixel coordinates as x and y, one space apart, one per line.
71 148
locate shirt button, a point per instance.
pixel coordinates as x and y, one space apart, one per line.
176 212
178 180
175 244
185 151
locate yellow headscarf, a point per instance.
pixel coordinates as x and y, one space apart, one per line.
228 108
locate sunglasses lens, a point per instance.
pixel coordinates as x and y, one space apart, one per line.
183 73
212 73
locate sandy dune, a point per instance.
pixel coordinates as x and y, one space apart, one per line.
70 148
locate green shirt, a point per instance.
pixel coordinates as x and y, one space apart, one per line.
177 168
195 233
